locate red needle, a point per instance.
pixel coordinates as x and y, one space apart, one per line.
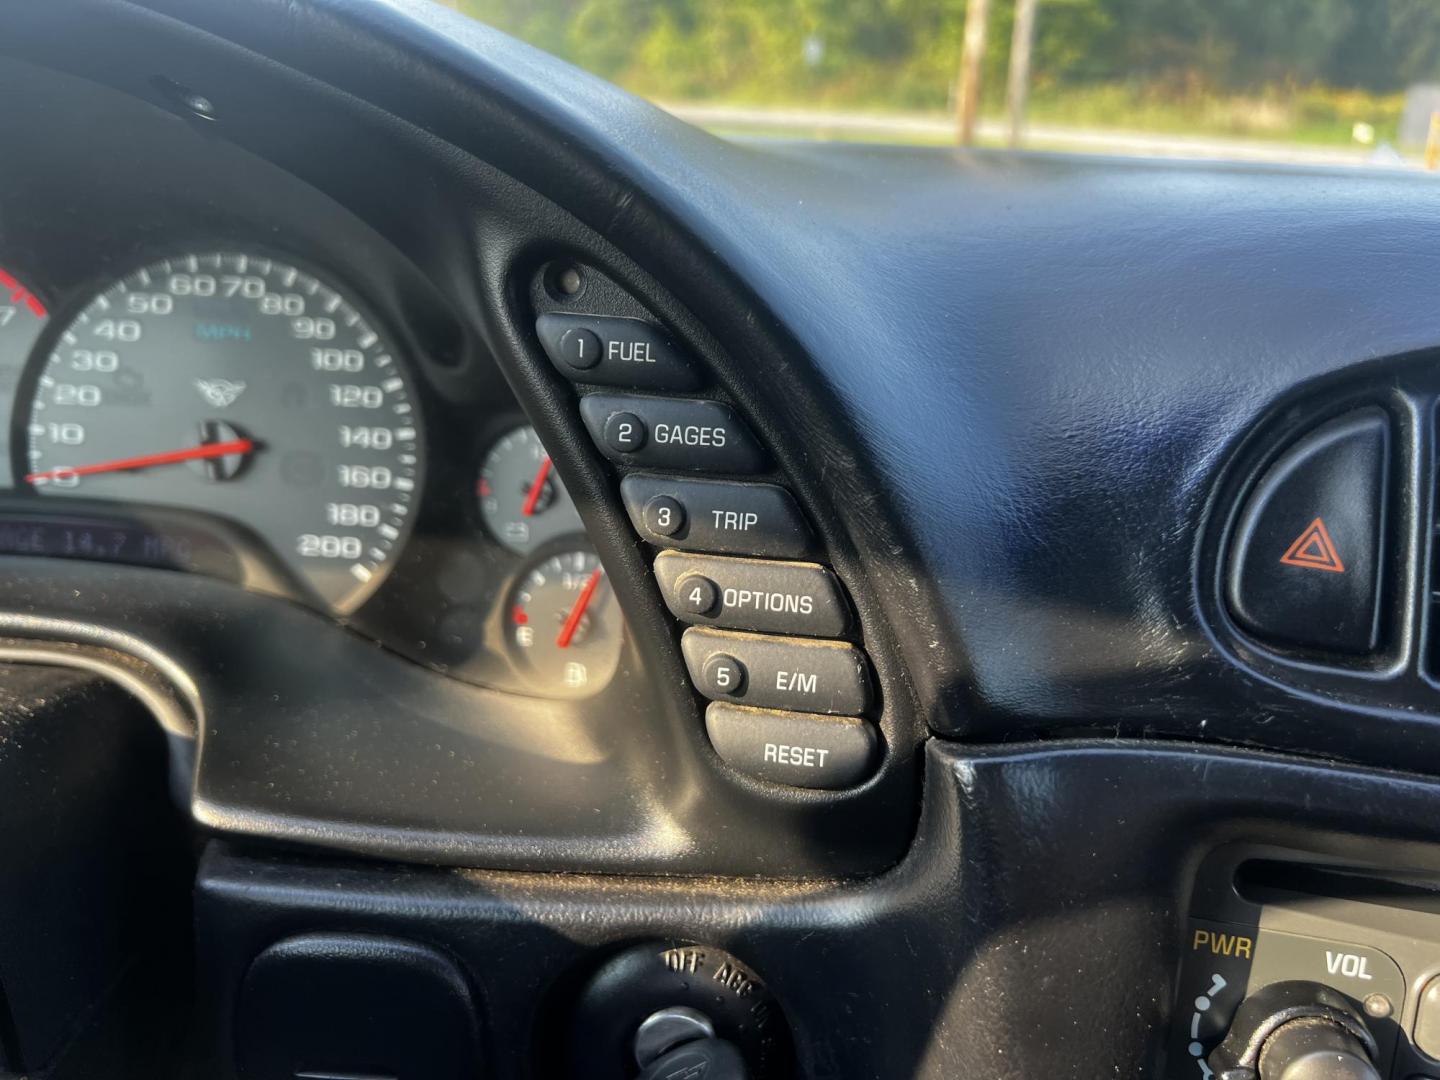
537 488
145 461
572 621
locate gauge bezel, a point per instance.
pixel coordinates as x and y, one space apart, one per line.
523 663
398 346
526 549
402 608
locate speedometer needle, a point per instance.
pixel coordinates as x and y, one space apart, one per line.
537 488
572 621
203 452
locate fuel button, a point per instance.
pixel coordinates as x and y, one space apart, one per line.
615 351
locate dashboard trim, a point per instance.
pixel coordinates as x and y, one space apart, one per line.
152 678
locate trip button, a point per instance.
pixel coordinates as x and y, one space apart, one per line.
753 594
826 752
1305 565
615 351
672 433
778 673
717 515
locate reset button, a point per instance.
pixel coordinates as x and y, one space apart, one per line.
799 749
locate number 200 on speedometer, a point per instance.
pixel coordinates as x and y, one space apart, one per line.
239 386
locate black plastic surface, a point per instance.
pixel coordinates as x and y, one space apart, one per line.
336 743
333 1006
1305 565
926 973
94 934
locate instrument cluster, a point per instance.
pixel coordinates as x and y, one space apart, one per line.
238 413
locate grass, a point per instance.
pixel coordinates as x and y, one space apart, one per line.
1317 117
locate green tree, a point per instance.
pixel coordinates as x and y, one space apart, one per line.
903 53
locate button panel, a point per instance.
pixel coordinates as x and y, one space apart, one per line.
753 594
717 515
671 433
800 674
615 351
738 558
827 752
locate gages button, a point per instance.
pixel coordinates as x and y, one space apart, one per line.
671 433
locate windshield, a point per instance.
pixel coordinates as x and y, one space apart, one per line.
1308 81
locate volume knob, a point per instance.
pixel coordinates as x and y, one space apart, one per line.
1297 1031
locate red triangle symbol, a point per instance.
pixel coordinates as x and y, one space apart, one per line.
1314 549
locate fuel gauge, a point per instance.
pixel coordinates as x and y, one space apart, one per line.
565 627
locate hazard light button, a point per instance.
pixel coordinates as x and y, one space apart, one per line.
1307 554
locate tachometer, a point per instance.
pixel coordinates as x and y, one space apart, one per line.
241 386
22 317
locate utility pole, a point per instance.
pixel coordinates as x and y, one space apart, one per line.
972 59
1017 92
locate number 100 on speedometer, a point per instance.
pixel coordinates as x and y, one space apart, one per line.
242 387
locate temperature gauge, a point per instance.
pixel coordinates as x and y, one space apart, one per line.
522 500
565 628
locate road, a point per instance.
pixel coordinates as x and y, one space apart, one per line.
932 129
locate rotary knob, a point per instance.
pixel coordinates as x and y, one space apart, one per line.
1297 1031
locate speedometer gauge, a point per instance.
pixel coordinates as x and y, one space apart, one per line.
243 387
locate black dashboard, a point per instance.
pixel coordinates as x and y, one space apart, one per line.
243 392
910 607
